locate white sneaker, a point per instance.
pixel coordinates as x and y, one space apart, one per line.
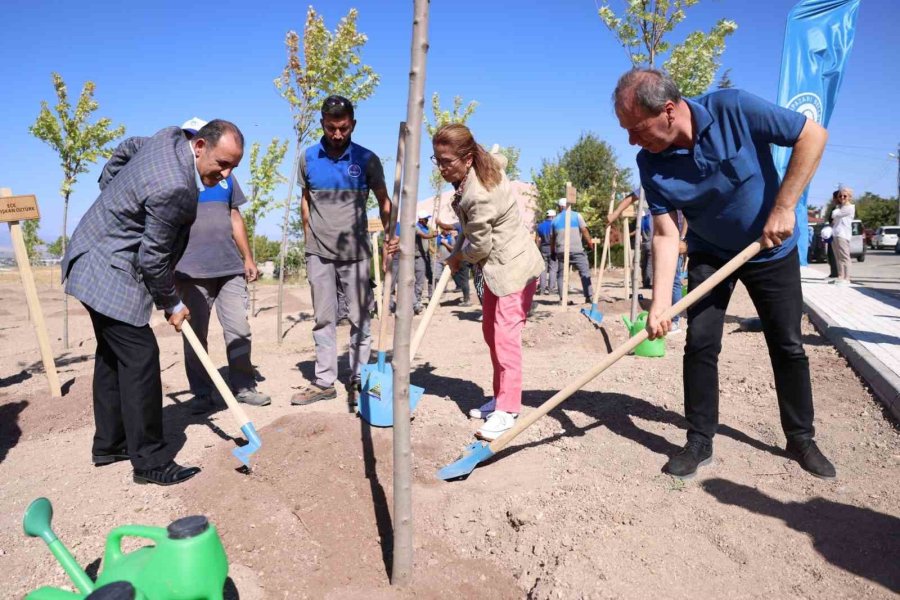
484 411
675 329
843 282
497 424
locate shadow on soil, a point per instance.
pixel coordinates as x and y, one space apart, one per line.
859 540
10 432
617 412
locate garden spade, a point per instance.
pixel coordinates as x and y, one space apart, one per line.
376 399
594 314
478 452
242 453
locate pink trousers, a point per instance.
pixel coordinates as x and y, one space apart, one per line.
502 323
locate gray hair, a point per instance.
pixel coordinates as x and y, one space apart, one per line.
650 89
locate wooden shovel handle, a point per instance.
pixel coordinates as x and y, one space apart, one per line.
238 412
715 279
388 272
429 311
605 253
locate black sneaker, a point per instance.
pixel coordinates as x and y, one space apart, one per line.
101 460
685 462
811 458
170 473
202 404
313 393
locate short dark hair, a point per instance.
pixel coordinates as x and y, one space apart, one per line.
651 89
213 131
337 106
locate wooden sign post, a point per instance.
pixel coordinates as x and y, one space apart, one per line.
567 242
12 210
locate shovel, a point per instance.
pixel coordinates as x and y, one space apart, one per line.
242 453
376 405
594 314
478 452
433 303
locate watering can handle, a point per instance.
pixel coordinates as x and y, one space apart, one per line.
114 541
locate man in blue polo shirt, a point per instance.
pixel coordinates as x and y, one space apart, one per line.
336 175
710 158
542 237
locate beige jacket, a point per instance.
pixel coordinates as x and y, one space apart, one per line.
494 236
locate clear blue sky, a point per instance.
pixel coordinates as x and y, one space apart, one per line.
542 73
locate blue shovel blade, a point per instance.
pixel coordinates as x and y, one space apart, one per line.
474 454
376 401
594 314
242 453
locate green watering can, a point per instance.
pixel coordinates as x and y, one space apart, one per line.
647 348
186 562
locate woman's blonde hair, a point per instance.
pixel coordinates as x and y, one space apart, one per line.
461 142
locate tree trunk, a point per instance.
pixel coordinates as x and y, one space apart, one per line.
65 296
284 237
401 568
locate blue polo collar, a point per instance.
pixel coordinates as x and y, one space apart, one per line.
347 154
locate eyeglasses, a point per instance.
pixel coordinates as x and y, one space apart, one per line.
443 163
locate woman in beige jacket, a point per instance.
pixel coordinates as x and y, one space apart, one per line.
495 240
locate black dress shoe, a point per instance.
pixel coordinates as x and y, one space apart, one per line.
811 458
167 474
101 460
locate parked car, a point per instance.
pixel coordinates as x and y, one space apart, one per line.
817 252
886 237
869 237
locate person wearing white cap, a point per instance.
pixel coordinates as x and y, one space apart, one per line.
542 234
578 231
214 271
422 260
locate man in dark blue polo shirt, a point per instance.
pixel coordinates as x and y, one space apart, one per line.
336 175
710 158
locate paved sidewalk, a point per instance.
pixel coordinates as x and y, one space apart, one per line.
864 325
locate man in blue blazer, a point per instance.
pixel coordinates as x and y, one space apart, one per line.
120 262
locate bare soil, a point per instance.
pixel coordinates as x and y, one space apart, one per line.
576 507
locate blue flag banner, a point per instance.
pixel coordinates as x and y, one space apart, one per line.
817 43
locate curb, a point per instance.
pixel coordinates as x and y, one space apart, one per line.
883 382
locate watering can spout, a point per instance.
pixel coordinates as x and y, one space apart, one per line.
628 323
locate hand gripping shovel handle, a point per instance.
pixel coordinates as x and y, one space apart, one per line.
429 311
715 279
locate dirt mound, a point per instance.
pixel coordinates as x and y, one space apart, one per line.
41 415
313 518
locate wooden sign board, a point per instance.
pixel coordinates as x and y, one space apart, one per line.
375 225
570 194
628 213
18 208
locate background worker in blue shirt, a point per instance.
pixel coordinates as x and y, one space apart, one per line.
710 158
542 237
578 231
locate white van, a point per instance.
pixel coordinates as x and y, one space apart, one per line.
885 237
